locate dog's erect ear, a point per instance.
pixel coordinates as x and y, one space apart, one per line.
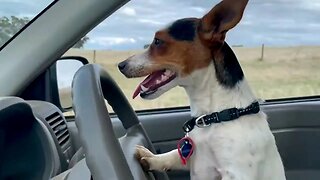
220 19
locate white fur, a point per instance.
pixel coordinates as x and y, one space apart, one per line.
137 64
141 59
243 149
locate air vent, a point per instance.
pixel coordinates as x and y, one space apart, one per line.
59 128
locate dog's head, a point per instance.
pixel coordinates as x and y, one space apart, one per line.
185 46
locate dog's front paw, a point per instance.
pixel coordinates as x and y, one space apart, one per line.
148 160
143 155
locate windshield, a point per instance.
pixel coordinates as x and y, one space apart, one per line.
15 14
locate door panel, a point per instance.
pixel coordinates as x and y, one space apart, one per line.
296 126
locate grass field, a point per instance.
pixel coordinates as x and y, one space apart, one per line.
284 72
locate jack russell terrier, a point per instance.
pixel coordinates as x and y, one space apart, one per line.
230 136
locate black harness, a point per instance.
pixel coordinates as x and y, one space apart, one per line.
222 116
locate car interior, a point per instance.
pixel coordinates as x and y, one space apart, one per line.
37 141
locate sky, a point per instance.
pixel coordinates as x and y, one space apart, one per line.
269 22
66 69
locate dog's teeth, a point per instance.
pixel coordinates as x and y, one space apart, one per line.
158 82
144 89
163 77
167 73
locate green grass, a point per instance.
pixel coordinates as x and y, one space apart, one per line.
284 72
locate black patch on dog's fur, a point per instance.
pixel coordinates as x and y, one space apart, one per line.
183 30
228 69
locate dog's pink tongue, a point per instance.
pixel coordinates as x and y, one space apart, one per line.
136 92
147 82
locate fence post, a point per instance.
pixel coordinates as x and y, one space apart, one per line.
94 56
262 52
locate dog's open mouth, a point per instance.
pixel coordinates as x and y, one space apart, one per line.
153 82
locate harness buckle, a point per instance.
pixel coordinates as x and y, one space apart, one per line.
201 122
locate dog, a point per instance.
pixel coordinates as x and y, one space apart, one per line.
231 136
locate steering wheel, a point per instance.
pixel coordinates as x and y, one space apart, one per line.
108 157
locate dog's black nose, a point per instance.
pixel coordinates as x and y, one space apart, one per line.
122 65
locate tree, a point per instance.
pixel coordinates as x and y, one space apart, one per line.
81 42
9 26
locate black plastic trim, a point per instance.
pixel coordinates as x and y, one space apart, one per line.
83 60
293 99
187 108
266 102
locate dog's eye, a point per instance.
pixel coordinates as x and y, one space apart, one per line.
157 41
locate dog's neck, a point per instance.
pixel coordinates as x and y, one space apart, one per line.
207 95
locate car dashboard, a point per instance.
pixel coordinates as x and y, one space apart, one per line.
34 138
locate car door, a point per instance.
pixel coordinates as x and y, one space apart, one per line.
294 123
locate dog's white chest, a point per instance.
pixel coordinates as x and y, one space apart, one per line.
226 149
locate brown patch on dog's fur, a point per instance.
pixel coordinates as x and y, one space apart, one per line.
181 56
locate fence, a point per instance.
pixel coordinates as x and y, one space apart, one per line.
262 53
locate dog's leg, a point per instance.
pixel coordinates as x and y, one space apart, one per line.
159 162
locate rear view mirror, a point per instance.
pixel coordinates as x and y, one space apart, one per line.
66 68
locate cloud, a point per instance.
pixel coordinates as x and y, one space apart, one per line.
273 22
21 7
311 4
109 41
198 9
128 11
150 22
14 1
29 16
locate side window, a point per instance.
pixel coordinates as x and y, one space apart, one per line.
275 44
14 15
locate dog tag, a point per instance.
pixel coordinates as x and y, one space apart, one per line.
185 149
